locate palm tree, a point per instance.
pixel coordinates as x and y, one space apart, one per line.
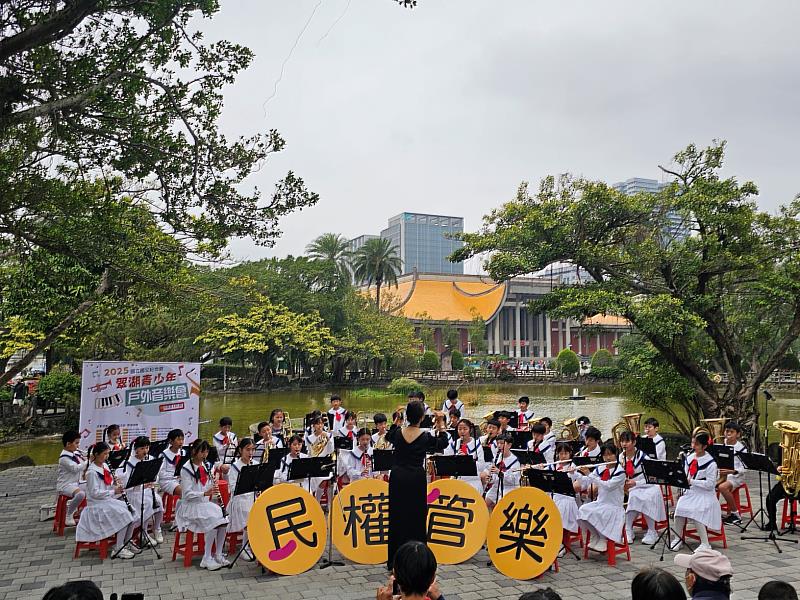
377 262
334 248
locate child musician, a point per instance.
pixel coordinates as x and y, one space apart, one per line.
148 508
539 445
503 474
466 445
379 437
104 515
276 420
71 467
168 479
282 474
112 436
567 505
267 440
490 439
452 402
734 479
338 414
699 502
651 430
591 445
225 438
318 434
524 414
453 418
349 429
504 417
240 504
643 498
604 518
358 461
549 434
196 512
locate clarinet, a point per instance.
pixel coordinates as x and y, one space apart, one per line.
491 478
152 489
218 494
122 494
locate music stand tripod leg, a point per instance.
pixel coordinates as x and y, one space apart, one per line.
332 495
668 531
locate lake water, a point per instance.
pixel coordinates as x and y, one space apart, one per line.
604 405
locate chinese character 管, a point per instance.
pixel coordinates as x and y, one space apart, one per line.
447 518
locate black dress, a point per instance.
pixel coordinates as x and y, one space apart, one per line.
408 498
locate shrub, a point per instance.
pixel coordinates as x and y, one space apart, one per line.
59 385
469 372
402 385
788 363
603 358
606 372
568 362
429 361
6 394
457 360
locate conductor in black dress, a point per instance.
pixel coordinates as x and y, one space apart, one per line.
408 498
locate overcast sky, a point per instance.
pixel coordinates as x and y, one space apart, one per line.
445 108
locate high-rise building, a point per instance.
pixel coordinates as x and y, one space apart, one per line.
423 244
356 243
678 227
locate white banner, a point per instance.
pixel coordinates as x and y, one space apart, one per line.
143 398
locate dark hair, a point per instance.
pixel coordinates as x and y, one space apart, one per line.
226 421
274 412
454 411
243 443
414 568
108 430
174 434
541 594
75 590
421 395
415 410
70 436
582 421
652 421
336 397
547 420
656 584
396 414
777 590
379 418
197 447
627 436
452 394
350 415
703 438
733 425
466 422
293 439
538 428
524 399
565 447
99 448
504 437
608 448
701 584
362 431
594 433
261 425
141 442
315 419
494 422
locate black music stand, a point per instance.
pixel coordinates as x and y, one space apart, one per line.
276 455
520 439
488 455
117 457
228 455
253 479
576 445
723 455
427 422
382 460
145 471
762 464
213 455
648 446
453 433
528 457
333 493
669 473
459 465
156 448
552 482
343 443
587 461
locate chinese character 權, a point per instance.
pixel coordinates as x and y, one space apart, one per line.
369 513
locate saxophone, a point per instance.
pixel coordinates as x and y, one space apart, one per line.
790 465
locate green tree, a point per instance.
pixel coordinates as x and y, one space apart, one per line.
477 333
687 294
568 362
450 335
334 249
603 358
377 262
429 361
457 360
425 332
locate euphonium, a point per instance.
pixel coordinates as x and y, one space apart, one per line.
483 427
318 446
715 428
381 443
570 431
628 423
286 428
790 465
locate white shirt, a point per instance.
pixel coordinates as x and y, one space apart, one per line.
219 442
168 467
457 404
523 418
355 463
70 471
546 447
338 424
326 451
282 474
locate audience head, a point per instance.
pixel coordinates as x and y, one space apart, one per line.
656 584
706 571
75 590
777 590
541 594
414 568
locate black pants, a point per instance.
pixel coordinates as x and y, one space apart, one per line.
776 494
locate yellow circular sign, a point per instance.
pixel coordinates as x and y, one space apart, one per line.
287 530
525 533
360 528
457 520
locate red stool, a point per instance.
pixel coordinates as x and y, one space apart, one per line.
666 494
170 502
194 543
742 509
612 548
570 537
233 539
641 523
555 570
786 518
60 518
690 533
101 546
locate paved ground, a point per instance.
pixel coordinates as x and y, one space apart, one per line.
32 560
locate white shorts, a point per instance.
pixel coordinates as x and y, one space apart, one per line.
736 481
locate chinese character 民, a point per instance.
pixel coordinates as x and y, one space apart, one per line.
281 514
369 513
525 531
447 518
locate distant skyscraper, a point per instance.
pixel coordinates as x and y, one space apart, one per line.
678 228
422 242
356 243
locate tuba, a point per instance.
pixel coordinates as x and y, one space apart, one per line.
790 465
628 423
570 431
483 427
715 428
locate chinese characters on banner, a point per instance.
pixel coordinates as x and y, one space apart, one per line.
142 398
360 527
525 533
286 529
457 520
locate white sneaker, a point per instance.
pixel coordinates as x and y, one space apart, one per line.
703 547
630 534
248 555
210 564
125 554
650 538
69 521
562 553
159 536
221 560
676 544
153 541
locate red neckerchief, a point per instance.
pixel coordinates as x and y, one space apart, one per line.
203 475
107 477
629 469
536 447
338 415
364 459
350 434
585 453
463 449
693 468
502 466
605 475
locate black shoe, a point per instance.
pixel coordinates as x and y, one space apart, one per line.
732 519
769 527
